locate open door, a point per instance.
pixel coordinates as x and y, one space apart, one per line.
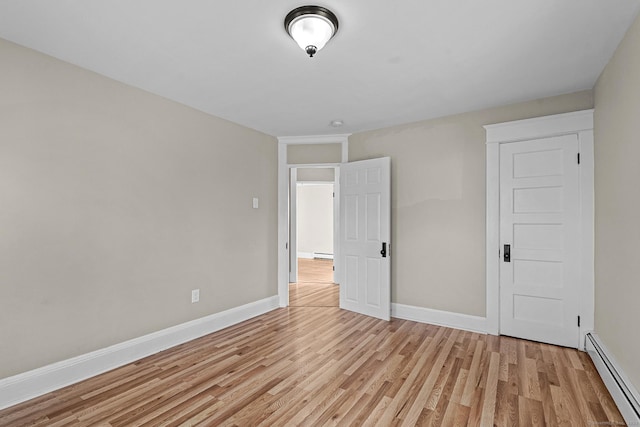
365 231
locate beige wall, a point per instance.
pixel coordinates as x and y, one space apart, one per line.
315 174
298 154
315 218
114 205
438 201
617 204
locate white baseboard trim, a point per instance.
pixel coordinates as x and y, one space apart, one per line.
440 318
305 255
623 392
30 384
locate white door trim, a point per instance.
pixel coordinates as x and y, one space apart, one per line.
581 124
337 267
293 220
283 201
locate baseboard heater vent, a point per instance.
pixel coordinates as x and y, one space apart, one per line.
322 255
621 389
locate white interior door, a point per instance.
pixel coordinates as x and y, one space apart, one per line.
365 230
540 240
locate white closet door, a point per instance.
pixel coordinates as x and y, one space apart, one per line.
540 241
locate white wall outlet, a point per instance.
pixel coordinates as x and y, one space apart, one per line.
195 295
255 203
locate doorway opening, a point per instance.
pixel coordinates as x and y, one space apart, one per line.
312 231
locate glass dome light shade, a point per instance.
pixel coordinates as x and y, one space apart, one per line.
311 30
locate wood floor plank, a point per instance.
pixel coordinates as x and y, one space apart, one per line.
326 366
409 375
316 270
491 390
473 377
547 400
427 386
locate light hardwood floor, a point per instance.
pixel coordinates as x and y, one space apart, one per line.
326 366
315 287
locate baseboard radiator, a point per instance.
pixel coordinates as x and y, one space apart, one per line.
621 389
322 255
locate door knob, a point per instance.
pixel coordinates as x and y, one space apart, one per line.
383 252
507 253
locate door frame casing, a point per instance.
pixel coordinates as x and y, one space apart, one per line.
579 123
283 201
293 230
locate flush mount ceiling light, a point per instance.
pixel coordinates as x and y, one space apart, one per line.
311 27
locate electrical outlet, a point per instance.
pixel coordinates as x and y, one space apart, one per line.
195 295
256 203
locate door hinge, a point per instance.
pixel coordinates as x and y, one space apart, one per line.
286 245
578 158
578 321
334 268
334 194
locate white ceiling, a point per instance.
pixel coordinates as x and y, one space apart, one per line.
390 62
